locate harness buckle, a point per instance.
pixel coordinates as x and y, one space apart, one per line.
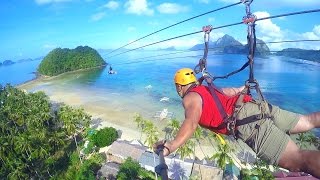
231 126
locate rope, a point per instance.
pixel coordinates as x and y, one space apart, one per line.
175 25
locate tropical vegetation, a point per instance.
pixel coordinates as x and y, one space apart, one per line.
60 60
40 139
131 169
105 137
259 171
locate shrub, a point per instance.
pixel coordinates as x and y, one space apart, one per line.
105 137
131 169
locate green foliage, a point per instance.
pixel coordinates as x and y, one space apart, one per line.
151 132
304 140
35 139
89 167
148 128
222 156
105 137
90 148
260 171
59 60
81 171
131 169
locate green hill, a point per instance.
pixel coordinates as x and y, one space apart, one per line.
59 60
311 55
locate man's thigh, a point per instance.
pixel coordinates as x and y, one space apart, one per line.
267 141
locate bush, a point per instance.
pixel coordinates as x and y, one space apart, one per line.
105 137
131 169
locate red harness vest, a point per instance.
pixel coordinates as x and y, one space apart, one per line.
211 117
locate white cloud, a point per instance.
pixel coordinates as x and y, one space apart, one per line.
211 19
139 7
171 8
49 46
112 5
98 16
269 31
154 23
204 1
41 2
316 30
131 29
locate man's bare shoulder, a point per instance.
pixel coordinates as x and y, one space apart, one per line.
191 98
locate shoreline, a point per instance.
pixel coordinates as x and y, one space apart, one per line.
40 77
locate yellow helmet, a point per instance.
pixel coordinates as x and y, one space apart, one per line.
184 76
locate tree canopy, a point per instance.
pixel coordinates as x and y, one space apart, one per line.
36 137
60 60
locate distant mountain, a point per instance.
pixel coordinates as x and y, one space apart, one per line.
24 60
172 48
228 45
7 62
223 44
261 48
311 55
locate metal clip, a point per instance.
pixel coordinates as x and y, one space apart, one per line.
207 29
249 19
247 2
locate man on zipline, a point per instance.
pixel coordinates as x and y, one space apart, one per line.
268 136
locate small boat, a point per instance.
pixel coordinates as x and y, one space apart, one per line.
166 99
164 114
148 87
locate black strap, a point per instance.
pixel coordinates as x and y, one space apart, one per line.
249 119
218 103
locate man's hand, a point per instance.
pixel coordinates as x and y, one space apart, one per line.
161 144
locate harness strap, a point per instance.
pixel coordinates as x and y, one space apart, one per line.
218 103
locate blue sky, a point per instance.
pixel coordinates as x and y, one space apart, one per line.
31 28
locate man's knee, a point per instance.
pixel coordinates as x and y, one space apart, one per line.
296 162
292 158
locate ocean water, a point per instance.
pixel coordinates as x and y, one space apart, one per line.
292 84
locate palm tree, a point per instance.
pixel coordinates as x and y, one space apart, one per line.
222 156
152 136
198 135
174 125
151 132
140 123
187 149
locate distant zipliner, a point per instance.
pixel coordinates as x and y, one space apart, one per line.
111 71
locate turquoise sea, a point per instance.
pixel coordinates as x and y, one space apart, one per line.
139 84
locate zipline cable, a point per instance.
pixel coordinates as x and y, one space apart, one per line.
218 9
190 56
219 27
220 47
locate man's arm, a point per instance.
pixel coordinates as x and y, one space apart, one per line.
192 104
232 91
